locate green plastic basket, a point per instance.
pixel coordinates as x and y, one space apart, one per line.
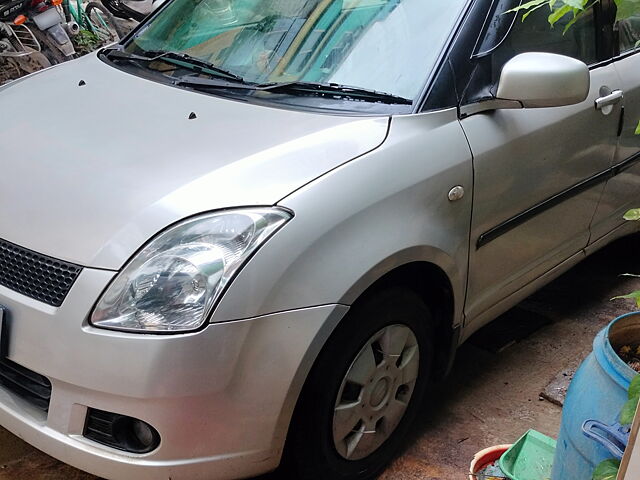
530 458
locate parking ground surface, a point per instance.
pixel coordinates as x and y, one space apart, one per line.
492 395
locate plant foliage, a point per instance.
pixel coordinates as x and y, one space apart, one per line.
558 9
629 409
607 470
631 215
86 41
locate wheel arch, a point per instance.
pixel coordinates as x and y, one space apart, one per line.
429 281
434 286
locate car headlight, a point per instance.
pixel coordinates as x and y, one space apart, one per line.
172 284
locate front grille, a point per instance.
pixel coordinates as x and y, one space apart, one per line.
35 275
31 386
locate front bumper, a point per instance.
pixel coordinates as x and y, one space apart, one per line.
220 398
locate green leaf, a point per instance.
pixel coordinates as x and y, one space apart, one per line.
572 21
528 5
524 17
638 129
628 411
579 4
632 296
632 214
607 470
634 388
627 8
558 14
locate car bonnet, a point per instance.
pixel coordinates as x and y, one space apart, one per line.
95 161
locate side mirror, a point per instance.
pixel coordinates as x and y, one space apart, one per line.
539 80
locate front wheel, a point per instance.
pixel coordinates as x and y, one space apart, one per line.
364 391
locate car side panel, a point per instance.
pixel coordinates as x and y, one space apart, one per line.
538 181
623 188
362 220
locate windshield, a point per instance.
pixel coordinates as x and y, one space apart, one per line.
387 46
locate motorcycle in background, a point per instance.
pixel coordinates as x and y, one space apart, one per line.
36 34
53 31
98 27
33 35
20 52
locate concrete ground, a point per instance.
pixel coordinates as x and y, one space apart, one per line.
492 395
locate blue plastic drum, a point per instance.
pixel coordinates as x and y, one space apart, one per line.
598 392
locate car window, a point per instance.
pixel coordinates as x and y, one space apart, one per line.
505 36
629 33
535 34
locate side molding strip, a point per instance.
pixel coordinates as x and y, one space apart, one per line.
558 198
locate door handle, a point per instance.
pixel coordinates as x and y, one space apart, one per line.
609 100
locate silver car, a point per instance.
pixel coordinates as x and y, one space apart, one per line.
250 234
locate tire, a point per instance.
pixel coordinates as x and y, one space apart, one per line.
106 25
316 449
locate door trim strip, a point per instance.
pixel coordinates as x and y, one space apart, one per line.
519 219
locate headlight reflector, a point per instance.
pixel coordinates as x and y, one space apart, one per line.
172 284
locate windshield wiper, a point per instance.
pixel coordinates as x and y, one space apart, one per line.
320 89
181 59
203 67
337 90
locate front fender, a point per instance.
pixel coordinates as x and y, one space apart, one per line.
360 221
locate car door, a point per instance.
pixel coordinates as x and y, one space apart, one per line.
536 184
622 191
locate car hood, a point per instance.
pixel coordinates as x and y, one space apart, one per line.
94 161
